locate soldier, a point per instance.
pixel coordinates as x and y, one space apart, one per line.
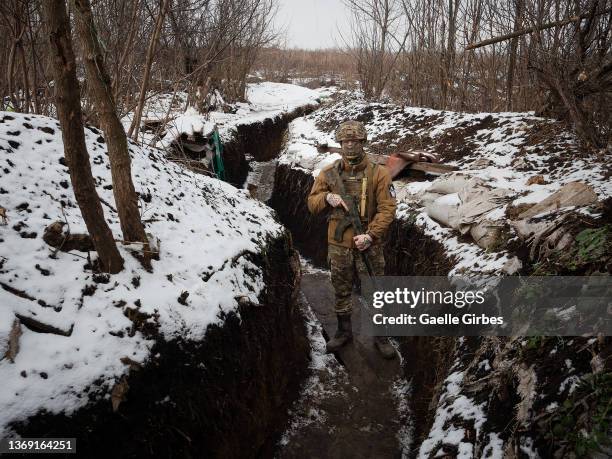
370 185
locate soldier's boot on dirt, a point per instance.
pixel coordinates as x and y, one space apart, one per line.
344 334
384 347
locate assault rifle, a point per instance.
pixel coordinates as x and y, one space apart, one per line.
351 218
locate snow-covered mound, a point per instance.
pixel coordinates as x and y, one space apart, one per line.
266 100
208 231
505 149
280 96
529 156
191 124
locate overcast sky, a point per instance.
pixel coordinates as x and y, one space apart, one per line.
312 24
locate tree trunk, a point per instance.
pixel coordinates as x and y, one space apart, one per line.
512 59
100 88
449 71
135 125
68 104
584 128
116 84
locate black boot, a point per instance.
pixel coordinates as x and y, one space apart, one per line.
344 334
384 347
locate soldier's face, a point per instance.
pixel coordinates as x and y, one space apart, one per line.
352 150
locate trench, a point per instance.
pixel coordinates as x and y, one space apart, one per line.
351 413
408 252
258 142
296 401
227 395
361 425
234 393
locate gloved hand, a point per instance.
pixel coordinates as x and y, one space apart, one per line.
335 200
363 241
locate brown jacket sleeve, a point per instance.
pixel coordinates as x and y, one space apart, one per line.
385 204
316 198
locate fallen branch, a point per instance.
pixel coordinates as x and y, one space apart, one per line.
41 327
548 25
16 292
3 215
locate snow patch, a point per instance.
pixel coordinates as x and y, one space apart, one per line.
208 231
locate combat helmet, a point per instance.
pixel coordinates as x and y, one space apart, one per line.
351 130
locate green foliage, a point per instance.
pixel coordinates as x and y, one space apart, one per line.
593 246
580 426
535 342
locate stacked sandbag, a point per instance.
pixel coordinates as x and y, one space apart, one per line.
467 205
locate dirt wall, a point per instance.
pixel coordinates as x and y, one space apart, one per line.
291 188
260 141
226 396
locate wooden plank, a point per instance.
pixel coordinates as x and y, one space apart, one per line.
433 168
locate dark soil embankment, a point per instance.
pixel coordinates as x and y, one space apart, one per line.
291 188
261 141
226 396
409 252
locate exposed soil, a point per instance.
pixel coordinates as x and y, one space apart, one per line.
257 141
291 188
361 418
494 373
226 396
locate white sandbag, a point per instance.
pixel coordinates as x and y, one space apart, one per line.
451 183
443 213
486 233
444 209
473 189
476 202
427 198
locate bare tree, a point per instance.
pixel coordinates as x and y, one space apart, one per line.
377 40
159 22
68 103
518 17
100 87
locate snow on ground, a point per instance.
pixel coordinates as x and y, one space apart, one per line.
265 100
189 123
503 149
453 403
260 179
402 392
207 229
279 96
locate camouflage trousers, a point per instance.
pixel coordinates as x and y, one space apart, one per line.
345 264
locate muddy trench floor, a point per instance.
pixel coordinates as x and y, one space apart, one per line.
355 414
